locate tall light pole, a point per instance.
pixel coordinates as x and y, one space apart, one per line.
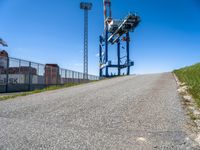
86 7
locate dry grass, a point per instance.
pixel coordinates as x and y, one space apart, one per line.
50 88
191 77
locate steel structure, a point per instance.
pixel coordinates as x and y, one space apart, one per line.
86 7
116 32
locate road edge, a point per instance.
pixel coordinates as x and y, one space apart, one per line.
192 112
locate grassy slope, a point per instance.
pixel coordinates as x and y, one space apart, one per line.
191 76
39 91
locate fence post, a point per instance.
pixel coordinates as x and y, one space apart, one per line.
73 76
29 77
78 77
65 76
38 72
68 76
19 71
45 74
7 73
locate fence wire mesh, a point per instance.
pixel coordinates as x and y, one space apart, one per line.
22 75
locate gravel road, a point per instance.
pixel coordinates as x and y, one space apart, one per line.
135 112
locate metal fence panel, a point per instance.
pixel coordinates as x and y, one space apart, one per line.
21 75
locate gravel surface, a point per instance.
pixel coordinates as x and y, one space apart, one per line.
135 112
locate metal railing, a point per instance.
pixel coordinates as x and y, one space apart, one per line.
20 75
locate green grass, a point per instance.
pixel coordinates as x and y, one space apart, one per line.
50 88
191 77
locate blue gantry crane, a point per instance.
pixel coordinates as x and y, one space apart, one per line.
115 32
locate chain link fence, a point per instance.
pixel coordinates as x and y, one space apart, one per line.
18 75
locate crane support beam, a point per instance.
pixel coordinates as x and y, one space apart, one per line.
118 58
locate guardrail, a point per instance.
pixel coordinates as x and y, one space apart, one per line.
18 75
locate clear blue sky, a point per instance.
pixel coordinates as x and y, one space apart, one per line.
51 31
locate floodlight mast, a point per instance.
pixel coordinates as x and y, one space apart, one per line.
86 7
